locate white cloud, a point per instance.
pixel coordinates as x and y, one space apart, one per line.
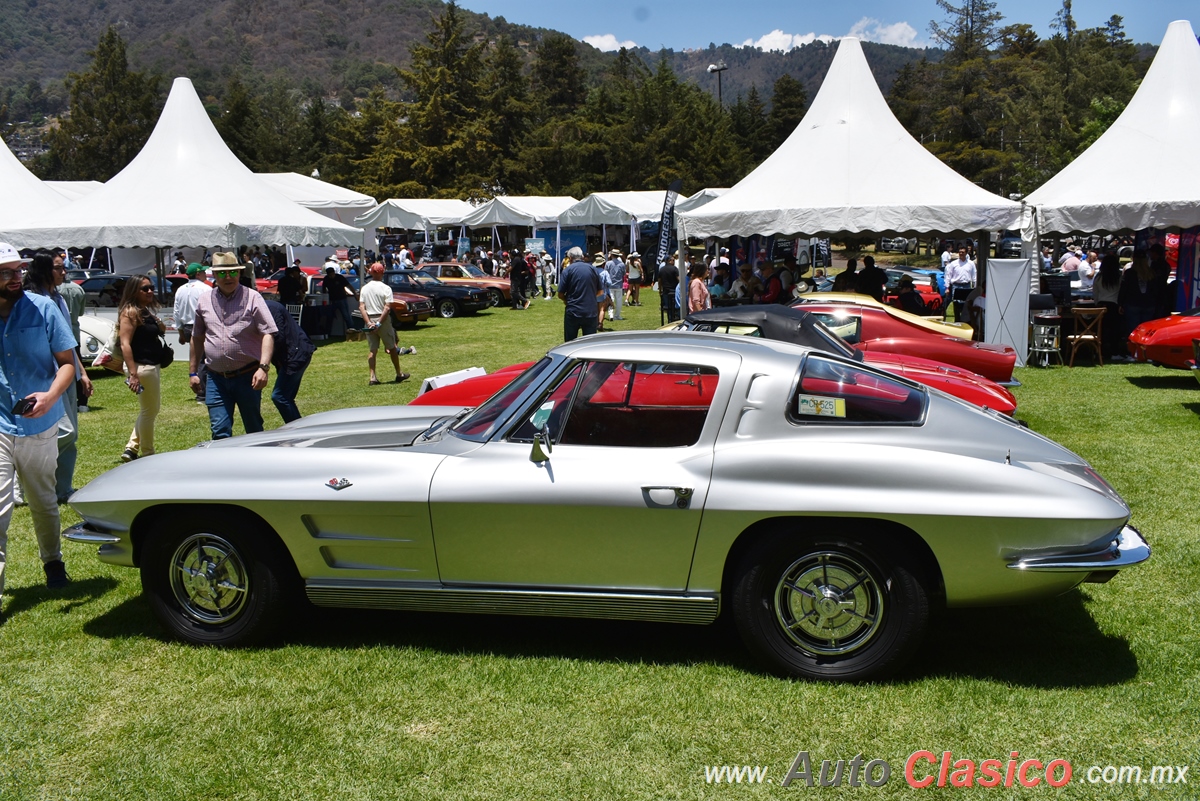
607 42
898 33
778 40
867 29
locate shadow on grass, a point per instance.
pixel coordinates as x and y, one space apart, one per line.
77 595
1172 380
1194 408
1054 644
131 618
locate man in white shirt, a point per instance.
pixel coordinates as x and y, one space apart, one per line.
404 257
186 298
960 280
375 306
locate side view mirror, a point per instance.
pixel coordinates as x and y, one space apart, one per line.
541 437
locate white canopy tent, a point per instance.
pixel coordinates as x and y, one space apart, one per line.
415 214
528 211
850 167
26 197
616 208
185 187
701 198
329 200
73 190
1144 171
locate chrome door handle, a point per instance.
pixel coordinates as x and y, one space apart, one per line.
683 495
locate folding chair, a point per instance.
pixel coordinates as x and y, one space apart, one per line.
296 310
1087 331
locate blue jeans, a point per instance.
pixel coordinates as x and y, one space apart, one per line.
342 307
284 394
222 394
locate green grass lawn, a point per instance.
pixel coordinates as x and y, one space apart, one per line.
95 702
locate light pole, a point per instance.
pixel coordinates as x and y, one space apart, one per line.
718 68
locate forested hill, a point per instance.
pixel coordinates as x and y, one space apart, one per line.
341 47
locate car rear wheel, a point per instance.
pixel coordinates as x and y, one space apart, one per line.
495 297
829 607
215 582
447 308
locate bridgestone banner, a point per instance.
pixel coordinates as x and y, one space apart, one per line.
668 221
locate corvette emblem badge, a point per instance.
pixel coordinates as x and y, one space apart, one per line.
338 483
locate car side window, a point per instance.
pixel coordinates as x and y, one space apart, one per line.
628 404
832 392
846 326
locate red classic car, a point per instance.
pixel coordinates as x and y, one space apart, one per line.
271 282
772 322
1166 341
879 329
451 272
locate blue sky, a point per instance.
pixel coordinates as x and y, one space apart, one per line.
781 24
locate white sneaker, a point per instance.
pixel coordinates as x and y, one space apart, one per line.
406 351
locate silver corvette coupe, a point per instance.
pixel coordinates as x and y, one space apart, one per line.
659 476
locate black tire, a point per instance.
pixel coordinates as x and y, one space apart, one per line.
397 323
243 596
447 308
832 608
495 298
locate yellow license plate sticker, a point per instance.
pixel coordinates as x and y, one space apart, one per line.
820 406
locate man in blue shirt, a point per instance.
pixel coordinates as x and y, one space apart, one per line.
579 288
37 364
615 268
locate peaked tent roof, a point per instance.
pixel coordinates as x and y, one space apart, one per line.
415 214
25 197
515 210
615 208
217 201
1144 171
73 190
851 167
330 199
701 198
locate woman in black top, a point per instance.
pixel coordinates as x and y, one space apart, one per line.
141 350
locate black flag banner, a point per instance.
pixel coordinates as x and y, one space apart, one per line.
668 221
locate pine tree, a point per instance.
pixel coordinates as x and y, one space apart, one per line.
238 122
112 113
558 81
506 110
447 139
788 104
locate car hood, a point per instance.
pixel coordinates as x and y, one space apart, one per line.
1181 326
366 427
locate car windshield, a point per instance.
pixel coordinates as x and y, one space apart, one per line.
424 278
480 424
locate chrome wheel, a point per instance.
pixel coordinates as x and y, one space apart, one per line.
495 298
447 308
209 579
829 604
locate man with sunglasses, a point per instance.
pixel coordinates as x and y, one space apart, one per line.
37 365
231 335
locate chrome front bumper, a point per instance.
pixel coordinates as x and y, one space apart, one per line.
1126 549
82 532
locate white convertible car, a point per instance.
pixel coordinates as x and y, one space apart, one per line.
826 505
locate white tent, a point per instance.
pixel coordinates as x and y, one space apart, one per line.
615 208
329 200
851 167
701 198
415 214
514 210
73 190
185 187
1144 171
25 196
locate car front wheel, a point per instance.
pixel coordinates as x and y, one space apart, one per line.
447 308
215 582
829 607
495 298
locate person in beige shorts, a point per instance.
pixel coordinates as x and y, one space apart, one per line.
374 303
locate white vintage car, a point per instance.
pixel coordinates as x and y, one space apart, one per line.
827 505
